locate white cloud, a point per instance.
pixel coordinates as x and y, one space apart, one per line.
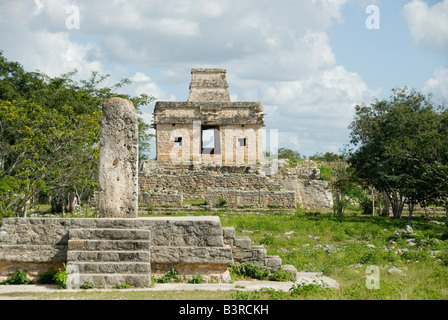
428 25
277 54
438 85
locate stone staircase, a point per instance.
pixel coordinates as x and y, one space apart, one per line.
244 252
108 257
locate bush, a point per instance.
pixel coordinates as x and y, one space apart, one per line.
122 286
196 279
325 172
170 276
86 285
47 277
307 288
20 277
60 277
250 270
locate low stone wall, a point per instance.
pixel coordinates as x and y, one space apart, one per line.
193 181
251 198
161 199
192 244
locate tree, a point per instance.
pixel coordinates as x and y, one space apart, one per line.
394 139
285 153
341 183
49 132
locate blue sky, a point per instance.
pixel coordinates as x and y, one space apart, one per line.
385 58
308 61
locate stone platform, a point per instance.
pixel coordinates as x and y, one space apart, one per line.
109 251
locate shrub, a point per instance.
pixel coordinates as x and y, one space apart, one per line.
170 276
222 201
20 277
250 270
47 277
307 288
196 279
282 275
122 286
60 277
86 285
325 172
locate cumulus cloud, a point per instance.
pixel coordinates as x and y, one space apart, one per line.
428 25
277 54
438 85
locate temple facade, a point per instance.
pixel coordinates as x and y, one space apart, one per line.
209 128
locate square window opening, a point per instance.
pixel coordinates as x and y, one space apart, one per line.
178 142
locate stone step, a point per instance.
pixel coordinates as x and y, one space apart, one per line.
109 234
108 256
111 245
273 263
103 280
110 267
243 242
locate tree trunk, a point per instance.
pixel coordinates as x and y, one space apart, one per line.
397 204
411 210
386 209
446 213
72 202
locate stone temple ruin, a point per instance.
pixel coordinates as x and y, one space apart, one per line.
210 148
193 138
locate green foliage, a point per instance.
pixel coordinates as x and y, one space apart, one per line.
170 276
296 291
400 145
122 286
327 157
87 285
47 277
196 279
304 288
20 277
252 271
49 131
285 153
222 201
60 277
325 172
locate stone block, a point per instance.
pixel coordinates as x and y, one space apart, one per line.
243 242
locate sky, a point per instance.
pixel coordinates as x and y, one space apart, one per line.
308 61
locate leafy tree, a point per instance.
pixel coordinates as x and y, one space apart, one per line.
327 157
285 153
394 140
49 131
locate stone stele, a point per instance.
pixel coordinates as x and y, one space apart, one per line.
118 160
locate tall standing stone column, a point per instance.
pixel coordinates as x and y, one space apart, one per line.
118 160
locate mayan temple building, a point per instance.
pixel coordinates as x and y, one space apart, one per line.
210 148
209 128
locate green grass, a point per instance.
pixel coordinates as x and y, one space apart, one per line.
343 247
339 247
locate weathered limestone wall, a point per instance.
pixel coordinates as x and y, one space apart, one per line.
208 85
233 122
194 244
172 199
193 182
251 198
194 185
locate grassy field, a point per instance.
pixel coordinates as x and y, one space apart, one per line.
411 266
